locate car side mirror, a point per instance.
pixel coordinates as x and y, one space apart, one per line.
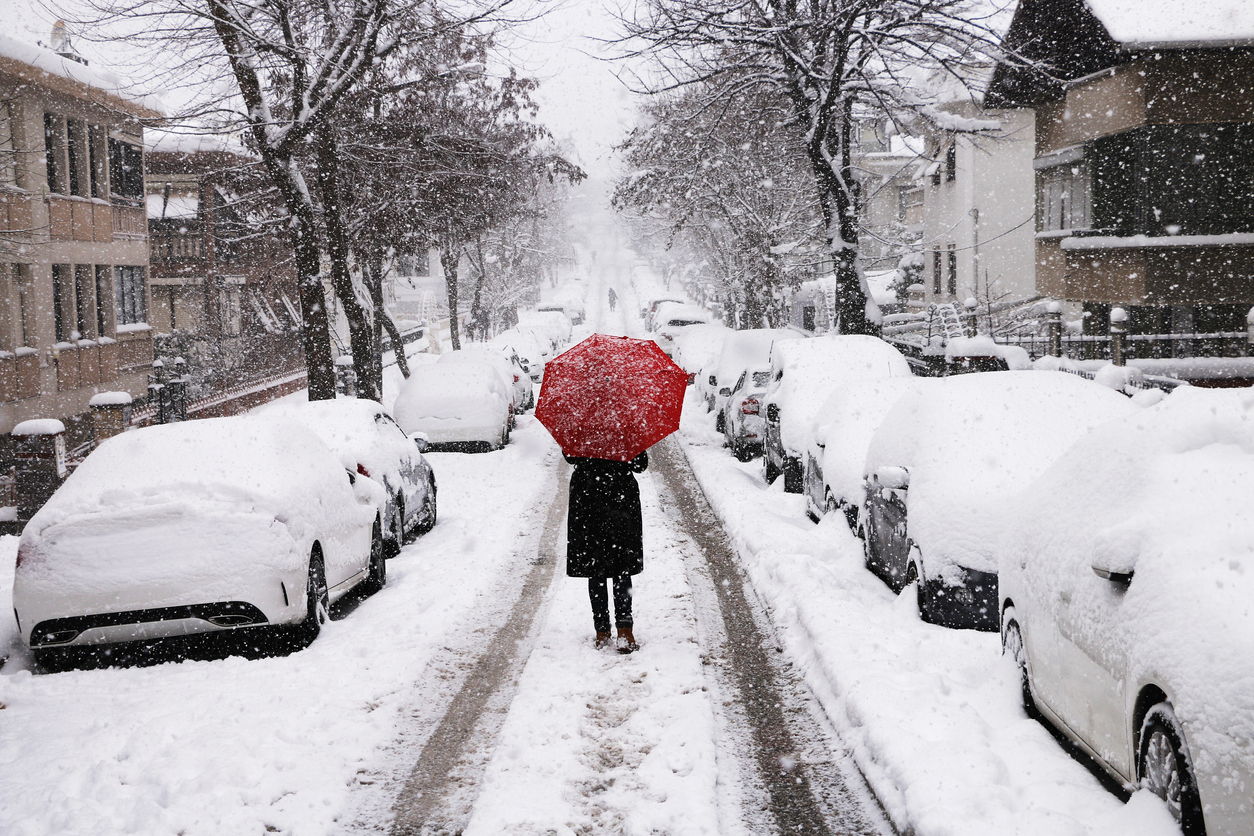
421 441
1121 575
893 478
772 412
352 477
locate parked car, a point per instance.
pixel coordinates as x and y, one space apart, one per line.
1127 574
741 350
836 450
460 406
672 318
570 308
941 461
803 374
222 524
515 378
532 353
553 324
742 422
698 347
369 442
652 305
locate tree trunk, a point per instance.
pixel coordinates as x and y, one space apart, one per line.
382 319
360 333
449 257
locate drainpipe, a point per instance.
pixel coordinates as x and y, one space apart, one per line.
975 251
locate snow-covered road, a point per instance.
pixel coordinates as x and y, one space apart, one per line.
355 733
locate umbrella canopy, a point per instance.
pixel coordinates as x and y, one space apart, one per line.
611 397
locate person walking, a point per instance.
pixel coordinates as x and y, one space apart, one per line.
613 298
605 540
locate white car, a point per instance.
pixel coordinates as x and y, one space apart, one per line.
673 318
370 442
698 347
836 450
741 350
531 351
519 383
555 325
743 423
212 525
942 461
460 406
803 374
1127 572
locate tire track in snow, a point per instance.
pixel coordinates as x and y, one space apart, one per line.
807 790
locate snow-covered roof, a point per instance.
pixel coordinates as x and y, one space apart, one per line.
14 53
1172 23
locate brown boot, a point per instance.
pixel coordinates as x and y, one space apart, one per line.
626 641
603 639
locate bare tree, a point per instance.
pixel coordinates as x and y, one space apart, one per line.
825 59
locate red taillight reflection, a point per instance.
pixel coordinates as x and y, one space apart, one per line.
361 468
516 378
750 406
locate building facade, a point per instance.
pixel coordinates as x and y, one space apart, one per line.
74 290
1144 160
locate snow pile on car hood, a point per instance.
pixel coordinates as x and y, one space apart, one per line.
749 348
811 369
972 439
698 346
470 393
1164 494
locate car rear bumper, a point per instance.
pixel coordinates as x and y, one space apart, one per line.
140 625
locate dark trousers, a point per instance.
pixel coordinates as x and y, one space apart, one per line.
601 604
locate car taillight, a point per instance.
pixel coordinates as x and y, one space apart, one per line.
516 378
361 468
750 406
25 554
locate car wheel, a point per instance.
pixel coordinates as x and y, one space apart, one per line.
426 518
720 424
317 599
794 477
378 577
1012 648
771 471
392 545
1166 769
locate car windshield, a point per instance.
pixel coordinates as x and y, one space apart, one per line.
680 323
761 378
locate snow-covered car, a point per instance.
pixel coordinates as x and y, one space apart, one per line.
460 406
524 384
803 374
943 459
651 307
741 350
836 451
698 347
742 413
532 351
1127 572
574 311
519 383
368 441
672 318
195 527
555 325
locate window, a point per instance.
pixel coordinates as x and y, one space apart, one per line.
130 290
953 271
84 321
24 301
126 170
61 279
102 294
53 135
8 147
951 162
936 273
76 145
1063 198
96 160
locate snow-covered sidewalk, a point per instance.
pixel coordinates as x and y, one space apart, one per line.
931 715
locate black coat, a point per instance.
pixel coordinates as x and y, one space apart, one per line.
604 533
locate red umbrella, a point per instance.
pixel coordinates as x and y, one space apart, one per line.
611 397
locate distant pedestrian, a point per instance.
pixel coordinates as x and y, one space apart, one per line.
613 298
605 540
